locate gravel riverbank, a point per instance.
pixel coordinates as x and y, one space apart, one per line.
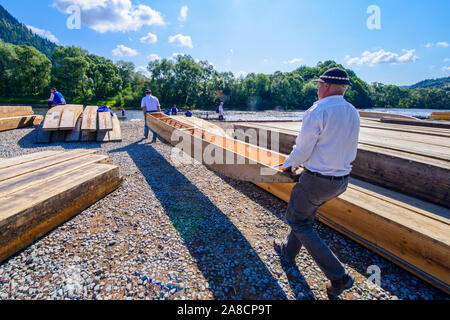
180 232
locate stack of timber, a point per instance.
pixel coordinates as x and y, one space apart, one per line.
420 123
412 233
414 163
440 116
70 123
14 117
40 191
379 115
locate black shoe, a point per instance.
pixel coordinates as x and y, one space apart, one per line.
280 248
336 287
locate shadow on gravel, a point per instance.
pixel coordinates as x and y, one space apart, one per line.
28 142
227 260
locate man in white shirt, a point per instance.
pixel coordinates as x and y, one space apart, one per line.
150 104
325 148
221 111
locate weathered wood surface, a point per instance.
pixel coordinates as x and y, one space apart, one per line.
87 136
70 116
102 136
104 121
410 232
6 163
420 175
12 123
35 202
75 134
379 115
52 119
116 133
440 116
15 111
90 119
419 123
43 137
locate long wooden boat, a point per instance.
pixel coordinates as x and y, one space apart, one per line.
412 233
379 115
440 116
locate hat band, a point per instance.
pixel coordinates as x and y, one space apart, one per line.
334 78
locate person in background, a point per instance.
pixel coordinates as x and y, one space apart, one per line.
123 112
188 113
221 111
56 98
150 104
325 148
174 110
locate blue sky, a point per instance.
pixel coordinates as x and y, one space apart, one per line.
264 36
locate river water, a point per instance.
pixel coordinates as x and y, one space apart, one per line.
269 115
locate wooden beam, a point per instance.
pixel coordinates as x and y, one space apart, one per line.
12 123
52 119
104 121
6 163
70 116
420 123
75 134
90 119
116 133
15 111
30 213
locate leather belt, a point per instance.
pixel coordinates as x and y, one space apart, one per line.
326 177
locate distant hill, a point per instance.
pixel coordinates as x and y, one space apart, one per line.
432 83
12 31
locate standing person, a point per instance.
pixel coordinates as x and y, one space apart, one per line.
174 110
150 104
56 98
326 147
221 111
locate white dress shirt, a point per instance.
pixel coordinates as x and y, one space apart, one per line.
151 103
328 140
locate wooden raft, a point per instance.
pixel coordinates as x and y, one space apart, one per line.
70 123
40 191
425 175
12 117
411 233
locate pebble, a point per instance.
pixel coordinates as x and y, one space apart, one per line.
208 235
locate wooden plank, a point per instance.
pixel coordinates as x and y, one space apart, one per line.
75 134
104 121
58 136
70 116
52 119
418 175
43 137
90 119
15 111
87 136
379 115
31 213
116 133
46 173
6 163
421 123
12 123
15 171
102 136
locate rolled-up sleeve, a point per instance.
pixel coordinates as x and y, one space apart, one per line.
143 105
306 141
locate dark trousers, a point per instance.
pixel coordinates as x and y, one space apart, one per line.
50 104
310 193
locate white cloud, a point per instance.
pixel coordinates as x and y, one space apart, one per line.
381 56
295 60
43 33
123 51
266 60
441 44
447 60
149 38
240 74
112 15
446 69
144 71
181 41
154 57
183 14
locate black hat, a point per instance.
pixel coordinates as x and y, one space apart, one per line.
148 91
335 76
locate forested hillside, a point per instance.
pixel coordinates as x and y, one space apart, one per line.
432 83
12 31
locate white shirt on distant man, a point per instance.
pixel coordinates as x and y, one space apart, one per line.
328 140
151 103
